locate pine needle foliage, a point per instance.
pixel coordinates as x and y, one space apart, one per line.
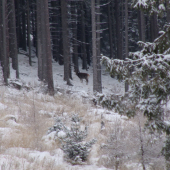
73 143
148 75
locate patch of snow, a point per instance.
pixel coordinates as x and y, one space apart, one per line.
2 106
49 139
61 134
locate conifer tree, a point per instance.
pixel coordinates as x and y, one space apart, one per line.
149 82
72 139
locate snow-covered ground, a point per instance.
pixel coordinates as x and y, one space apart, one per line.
27 114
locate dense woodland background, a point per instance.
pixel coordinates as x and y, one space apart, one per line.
69 30
79 34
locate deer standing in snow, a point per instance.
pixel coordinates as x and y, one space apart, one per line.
82 76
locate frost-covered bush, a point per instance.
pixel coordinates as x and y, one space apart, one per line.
75 149
72 140
106 101
58 126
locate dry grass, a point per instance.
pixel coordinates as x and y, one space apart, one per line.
35 113
30 125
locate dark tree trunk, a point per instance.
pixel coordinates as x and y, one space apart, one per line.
18 28
39 41
4 43
141 25
54 30
99 76
96 83
118 30
60 41
154 26
88 35
1 44
29 32
13 50
24 43
126 39
83 39
65 42
44 45
74 40
110 28
34 28
43 39
48 50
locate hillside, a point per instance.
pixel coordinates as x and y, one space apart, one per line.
28 113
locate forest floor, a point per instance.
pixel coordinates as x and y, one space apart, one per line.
27 113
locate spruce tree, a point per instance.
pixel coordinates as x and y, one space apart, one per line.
73 140
147 73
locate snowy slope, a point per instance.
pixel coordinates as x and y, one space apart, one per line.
27 114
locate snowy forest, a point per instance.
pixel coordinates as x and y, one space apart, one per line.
85 84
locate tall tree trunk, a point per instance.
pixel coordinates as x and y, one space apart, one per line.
24 43
118 30
83 46
44 45
18 28
65 41
99 76
13 49
96 83
88 35
126 38
141 25
110 28
4 42
60 38
43 39
39 41
48 50
1 45
154 26
34 29
29 32
54 29
75 41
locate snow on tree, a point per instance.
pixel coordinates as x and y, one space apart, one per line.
148 74
72 139
153 6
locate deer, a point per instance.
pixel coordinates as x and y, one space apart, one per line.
82 76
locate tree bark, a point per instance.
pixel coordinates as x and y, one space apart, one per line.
4 43
154 26
1 49
24 43
126 39
118 30
54 30
110 28
48 50
75 41
39 41
83 46
99 76
96 83
65 41
29 32
141 25
13 49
